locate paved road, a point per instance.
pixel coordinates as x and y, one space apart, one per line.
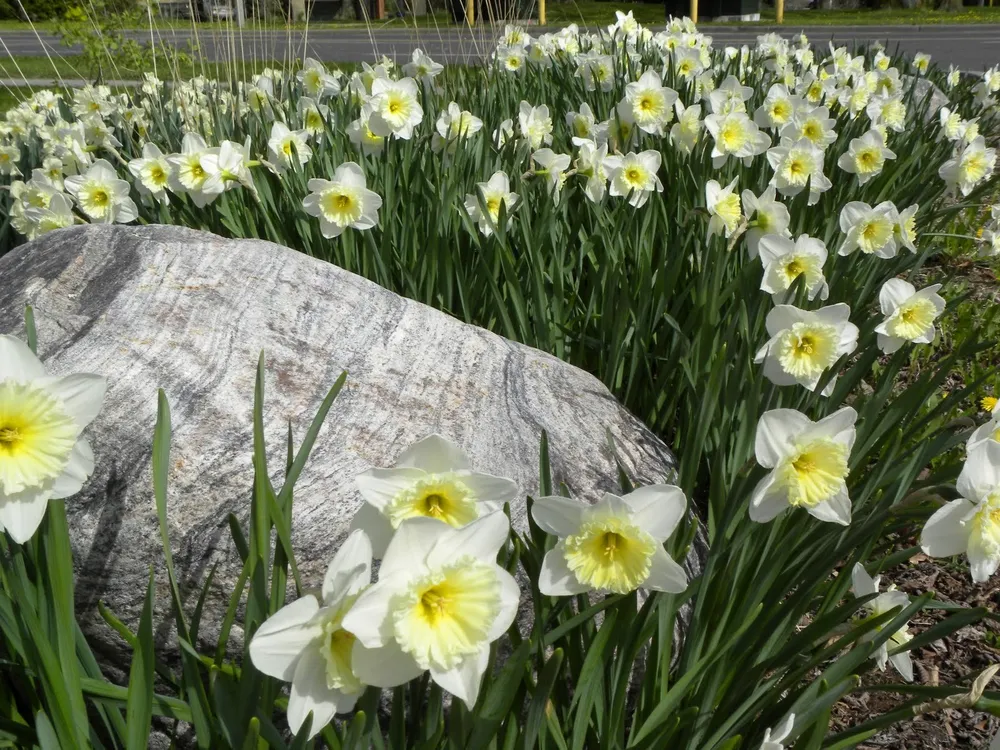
970 47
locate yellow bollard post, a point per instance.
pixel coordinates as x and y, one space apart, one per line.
470 12
694 11
541 12
779 11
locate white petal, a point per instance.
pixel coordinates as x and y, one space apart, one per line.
665 574
776 433
369 618
380 486
22 513
464 679
559 516
375 526
555 578
903 664
281 638
510 600
782 317
835 510
82 395
78 469
861 582
981 472
657 509
412 544
481 539
838 426
490 489
310 693
18 362
387 666
981 564
434 454
944 534
350 569
894 293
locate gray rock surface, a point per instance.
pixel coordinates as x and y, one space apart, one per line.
167 307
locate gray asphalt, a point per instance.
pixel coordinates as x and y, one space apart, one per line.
970 47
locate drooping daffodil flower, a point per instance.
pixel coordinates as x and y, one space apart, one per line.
864 585
305 642
971 524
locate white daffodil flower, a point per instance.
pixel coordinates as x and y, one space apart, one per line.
614 546
305 642
433 478
905 227
345 201
775 740
805 344
590 161
730 96
42 454
972 165
152 173
511 58
439 602
228 167
58 214
735 135
651 102
313 116
889 111
765 215
101 195
686 132
724 207
795 164
808 462
815 125
495 192
597 72
287 147
778 109
910 314
535 124
784 261
553 167
971 524
10 155
396 109
453 125
188 176
871 230
422 67
866 156
864 585
921 62
317 82
582 124
362 136
634 175
988 431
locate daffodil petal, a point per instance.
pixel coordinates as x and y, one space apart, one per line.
945 534
386 666
463 680
350 569
375 526
558 516
657 509
281 638
379 487
309 693
22 513
555 577
435 455
18 362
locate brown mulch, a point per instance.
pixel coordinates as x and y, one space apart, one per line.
966 652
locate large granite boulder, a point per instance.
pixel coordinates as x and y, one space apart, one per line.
189 312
